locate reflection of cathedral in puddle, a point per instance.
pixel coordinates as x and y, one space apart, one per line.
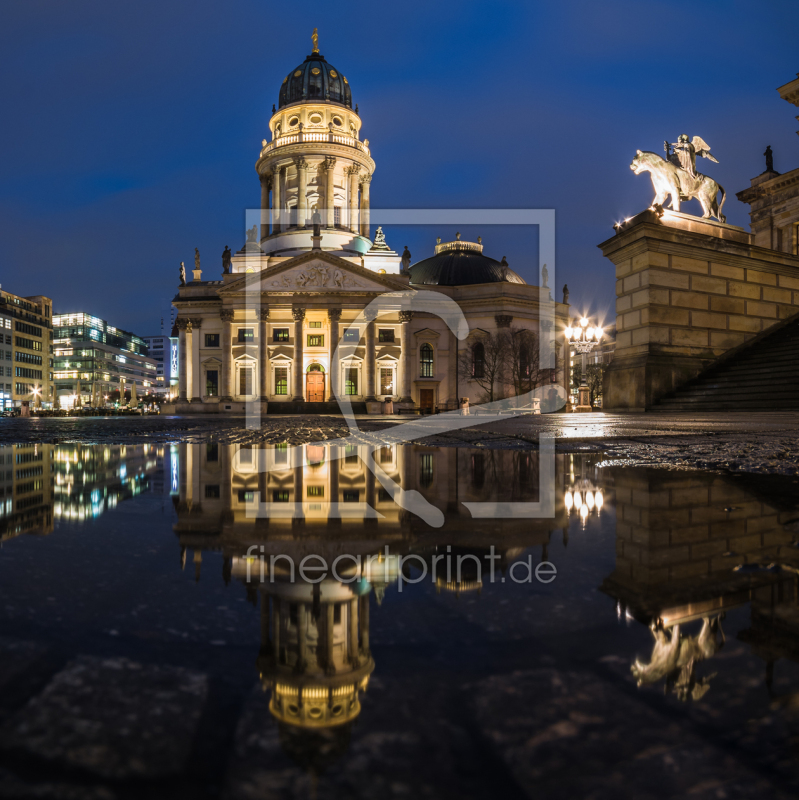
689 548
315 658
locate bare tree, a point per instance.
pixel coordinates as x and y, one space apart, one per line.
485 360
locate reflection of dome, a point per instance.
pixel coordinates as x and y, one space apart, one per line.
315 80
460 264
323 705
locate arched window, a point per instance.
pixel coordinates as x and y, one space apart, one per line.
479 361
426 361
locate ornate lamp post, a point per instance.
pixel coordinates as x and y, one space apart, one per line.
584 338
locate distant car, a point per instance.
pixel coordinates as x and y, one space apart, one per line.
11 412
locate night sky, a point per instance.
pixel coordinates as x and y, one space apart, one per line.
130 129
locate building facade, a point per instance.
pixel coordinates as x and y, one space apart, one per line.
94 359
268 330
26 353
774 197
164 350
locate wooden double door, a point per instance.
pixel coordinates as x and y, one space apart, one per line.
427 400
315 387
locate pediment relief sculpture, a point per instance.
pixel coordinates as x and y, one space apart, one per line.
316 277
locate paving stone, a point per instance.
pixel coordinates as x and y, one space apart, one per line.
571 734
112 717
16 788
16 657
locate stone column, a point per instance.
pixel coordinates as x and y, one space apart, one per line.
332 466
406 353
353 215
196 371
302 189
226 380
299 316
334 315
452 370
364 624
330 201
365 212
263 353
369 361
302 639
355 658
277 216
183 359
299 490
330 610
266 182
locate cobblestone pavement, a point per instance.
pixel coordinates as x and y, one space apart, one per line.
764 443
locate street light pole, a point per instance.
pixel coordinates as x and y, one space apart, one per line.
584 338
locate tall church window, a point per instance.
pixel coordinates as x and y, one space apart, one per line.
426 361
212 383
479 361
386 380
245 381
350 381
281 380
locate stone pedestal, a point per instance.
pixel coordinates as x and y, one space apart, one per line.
584 402
687 291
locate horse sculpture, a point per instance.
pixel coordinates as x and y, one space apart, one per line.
669 179
674 657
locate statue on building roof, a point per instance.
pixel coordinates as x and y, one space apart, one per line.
380 237
315 40
196 258
252 234
544 277
565 294
316 221
406 259
226 261
182 274
769 159
504 261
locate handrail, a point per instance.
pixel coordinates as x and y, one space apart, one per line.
312 136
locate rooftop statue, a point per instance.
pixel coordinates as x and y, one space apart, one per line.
769 159
676 175
226 262
406 259
252 234
380 237
544 277
565 294
315 40
196 258
182 274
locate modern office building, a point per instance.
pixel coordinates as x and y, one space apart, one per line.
164 349
93 360
26 353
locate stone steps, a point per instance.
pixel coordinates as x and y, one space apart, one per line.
762 375
291 407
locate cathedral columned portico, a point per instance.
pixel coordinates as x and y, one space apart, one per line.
298 292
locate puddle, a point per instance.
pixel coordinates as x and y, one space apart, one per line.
254 622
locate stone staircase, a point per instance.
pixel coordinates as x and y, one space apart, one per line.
290 407
759 375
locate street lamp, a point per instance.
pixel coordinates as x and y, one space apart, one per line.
584 338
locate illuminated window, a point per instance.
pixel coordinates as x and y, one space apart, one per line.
352 335
315 323
212 340
350 381
385 335
350 495
212 383
316 340
280 335
426 361
386 380
425 470
246 335
316 491
281 380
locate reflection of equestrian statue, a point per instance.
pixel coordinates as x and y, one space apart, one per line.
669 177
674 658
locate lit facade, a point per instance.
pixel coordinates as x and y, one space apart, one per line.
26 353
163 350
268 329
93 359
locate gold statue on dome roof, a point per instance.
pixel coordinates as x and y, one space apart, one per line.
315 40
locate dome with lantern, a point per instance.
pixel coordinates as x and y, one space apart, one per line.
317 81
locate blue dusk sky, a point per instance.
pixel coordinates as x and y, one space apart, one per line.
130 129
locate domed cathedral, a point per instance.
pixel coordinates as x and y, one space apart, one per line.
267 329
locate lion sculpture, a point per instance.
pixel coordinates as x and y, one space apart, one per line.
669 179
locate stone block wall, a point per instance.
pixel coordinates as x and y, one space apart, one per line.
687 291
